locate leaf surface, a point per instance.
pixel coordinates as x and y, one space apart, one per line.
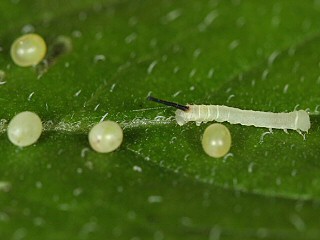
160 184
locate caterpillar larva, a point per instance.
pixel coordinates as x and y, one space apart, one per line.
296 120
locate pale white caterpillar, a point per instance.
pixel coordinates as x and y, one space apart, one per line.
296 120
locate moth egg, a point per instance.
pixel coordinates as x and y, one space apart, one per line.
216 140
105 136
28 50
24 129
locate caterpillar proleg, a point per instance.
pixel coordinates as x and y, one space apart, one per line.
296 120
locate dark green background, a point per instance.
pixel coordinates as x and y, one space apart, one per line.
260 55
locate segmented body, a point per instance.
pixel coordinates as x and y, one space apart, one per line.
296 120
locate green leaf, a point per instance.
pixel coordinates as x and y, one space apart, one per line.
160 184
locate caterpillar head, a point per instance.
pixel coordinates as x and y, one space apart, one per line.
180 117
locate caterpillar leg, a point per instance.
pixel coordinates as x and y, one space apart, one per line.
302 134
285 130
198 123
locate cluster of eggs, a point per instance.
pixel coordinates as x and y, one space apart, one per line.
26 127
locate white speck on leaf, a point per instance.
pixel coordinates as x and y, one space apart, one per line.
137 168
278 181
192 73
96 107
99 35
151 66
64 207
38 184
228 155
263 135
2 77
215 233
197 52
275 21
84 151
130 38
103 117
229 90
186 221
172 140
112 87
291 51
89 165
79 170
77 191
171 16
5 186
176 69
77 93
164 58
154 199
250 167
285 89
176 94
241 21
38 221
208 20
210 73
153 42
28 28
76 34
132 21
234 44
273 57
230 97
30 96
265 74
159 118
99 58
19 234
297 222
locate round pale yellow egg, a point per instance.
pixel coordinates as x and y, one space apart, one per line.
24 129
216 140
105 136
28 50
